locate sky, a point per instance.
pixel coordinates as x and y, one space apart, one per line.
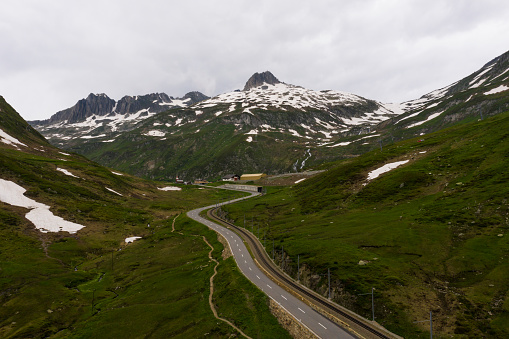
55 52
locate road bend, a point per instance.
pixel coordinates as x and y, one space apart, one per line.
314 321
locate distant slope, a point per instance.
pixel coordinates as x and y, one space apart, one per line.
431 234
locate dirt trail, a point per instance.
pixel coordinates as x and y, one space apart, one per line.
173 224
212 307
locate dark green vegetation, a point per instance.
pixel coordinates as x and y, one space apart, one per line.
205 149
92 284
430 235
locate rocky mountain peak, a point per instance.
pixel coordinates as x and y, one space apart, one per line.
259 79
195 97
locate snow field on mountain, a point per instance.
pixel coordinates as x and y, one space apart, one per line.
499 89
281 94
7 139
40 215
432 116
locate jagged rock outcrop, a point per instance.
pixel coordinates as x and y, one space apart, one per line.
259 79
102 105
195 97
99 104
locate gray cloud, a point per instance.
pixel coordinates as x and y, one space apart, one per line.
56 52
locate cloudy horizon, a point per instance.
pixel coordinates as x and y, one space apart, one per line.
56 52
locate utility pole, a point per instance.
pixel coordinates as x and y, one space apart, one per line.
430 324
372 302
272 249
328 273
298 268
282 256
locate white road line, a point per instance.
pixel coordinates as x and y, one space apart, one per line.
250 269
322 325
300 309
242 255
258 277
269 286
283 297
245 262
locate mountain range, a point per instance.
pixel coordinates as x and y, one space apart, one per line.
235 132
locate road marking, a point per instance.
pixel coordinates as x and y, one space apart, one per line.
322 325
258 277
239 249
269 286
245 262
300 309
284 297
242 255
250 269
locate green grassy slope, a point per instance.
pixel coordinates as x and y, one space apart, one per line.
92 284
429 235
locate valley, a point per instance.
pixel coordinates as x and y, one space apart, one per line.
406 200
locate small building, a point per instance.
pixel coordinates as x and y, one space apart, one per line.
231 177
178 180
201 182
252 177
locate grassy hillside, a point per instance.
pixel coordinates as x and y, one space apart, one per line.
430 235
93 284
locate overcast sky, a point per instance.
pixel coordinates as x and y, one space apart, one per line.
53 53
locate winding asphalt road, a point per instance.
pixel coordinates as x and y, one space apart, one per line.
314 321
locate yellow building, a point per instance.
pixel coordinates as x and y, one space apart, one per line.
252 177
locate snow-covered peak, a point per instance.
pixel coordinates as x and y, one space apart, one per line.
281 95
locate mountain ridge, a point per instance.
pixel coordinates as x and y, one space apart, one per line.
102 105
275 128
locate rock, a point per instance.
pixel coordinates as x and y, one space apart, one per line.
258 79
364 262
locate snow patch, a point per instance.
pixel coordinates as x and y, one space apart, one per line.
40 215
66 172
155 133
116 173
131 239
341 144
385 168
300 180
432 116
249 139
499 89
170 188
7 139
109 189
